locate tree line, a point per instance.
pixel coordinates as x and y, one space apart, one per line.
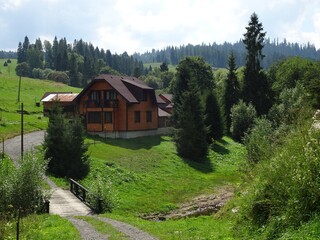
217 54
73 64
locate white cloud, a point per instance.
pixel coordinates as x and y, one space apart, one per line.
140 25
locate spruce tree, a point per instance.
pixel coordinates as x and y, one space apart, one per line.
193 78
54 142
231 91
213 120
255 88
190 136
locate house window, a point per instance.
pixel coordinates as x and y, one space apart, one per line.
110 95
94 117
94 95
149 116
144 96
107 117
137 116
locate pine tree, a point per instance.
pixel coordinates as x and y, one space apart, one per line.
213 120
78 159
190 137
231 91
54 142
256 89
192 79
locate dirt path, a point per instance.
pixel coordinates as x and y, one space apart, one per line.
63 202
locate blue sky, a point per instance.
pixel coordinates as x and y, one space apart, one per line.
141 25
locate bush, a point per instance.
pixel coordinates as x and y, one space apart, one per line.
38 73
259 141
101 195
59 76
242 118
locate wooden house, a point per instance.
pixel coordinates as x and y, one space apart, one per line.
118 106
64 99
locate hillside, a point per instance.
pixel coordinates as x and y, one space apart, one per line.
31 92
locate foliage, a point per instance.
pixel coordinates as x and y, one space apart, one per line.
164 67
259 140
297 71
59 76
77 159
23 69
242 118
285 191
82 60
256 89
231 91
21 189
101 194
213 120
64 146
291 102
190 136
194 77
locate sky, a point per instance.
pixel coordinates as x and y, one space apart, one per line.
143 25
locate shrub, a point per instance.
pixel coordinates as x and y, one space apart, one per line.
38 73
59 76
259 141
101 195
242 118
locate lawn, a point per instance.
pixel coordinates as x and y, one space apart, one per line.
149 177
31 92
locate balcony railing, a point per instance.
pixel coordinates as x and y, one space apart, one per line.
101 103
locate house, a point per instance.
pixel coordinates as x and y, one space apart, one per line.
167 104
118 106
65 99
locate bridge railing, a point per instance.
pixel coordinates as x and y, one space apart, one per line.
84 195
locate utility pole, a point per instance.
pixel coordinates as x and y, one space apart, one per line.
22 130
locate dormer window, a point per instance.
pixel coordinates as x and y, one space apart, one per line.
110 95
94 95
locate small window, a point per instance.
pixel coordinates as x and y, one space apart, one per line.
110 95
149 116
94 117
144 96
137 116
108 117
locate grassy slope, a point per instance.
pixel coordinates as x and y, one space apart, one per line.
31 92
149 177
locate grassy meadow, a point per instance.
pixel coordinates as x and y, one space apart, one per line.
31 93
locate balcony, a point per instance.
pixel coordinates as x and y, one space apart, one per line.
101 103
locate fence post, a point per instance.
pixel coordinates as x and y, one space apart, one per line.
99 205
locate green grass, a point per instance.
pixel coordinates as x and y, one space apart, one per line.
43 227
31 92
149 177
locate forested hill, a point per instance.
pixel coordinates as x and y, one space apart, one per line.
217 54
